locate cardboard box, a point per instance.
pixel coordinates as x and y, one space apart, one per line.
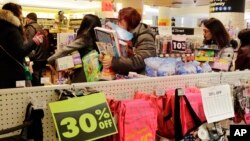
64 63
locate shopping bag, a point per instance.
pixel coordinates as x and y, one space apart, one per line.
140 120
136 120
193 95
165 123
183 115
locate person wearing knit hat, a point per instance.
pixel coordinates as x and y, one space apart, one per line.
40 54
32 16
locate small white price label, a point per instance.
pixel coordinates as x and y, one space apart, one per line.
20 83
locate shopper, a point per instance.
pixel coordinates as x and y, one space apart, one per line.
243 59
215 33
13 50
142 43
40 55
50 42
85 42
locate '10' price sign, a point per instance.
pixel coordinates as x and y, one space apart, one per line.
179 43
83 118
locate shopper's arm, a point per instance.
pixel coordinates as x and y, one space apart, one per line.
145 48
73 46
18 47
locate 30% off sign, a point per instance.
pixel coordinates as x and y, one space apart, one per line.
83 118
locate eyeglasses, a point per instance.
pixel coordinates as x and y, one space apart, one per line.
206 30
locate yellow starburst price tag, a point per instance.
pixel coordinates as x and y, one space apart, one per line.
83 118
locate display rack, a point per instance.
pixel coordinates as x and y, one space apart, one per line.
233 77
13 102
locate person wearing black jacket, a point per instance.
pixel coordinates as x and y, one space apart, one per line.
41 53
243 58
12 41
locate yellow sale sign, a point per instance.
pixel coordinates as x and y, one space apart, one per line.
83 118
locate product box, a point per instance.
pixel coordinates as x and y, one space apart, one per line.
109 37
204 58
64 63
221 64
77 59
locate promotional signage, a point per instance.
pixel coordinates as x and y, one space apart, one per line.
179 43
107 6
83 118
182 31
227 6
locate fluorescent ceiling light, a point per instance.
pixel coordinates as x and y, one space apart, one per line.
58 4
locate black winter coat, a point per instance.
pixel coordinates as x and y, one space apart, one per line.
12 41
243 58
40 55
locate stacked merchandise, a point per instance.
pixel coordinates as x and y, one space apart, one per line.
179 46
156 66
177 56
207 53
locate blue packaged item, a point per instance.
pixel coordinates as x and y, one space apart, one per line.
167 68
206 67
198 67
152 64
185 68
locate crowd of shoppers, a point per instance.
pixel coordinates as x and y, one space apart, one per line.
37 43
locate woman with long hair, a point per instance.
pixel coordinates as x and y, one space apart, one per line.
215 33
85 42
13 45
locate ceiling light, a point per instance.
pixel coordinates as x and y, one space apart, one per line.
58 4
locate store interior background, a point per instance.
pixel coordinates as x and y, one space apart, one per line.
187 13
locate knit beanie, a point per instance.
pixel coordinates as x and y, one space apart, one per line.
32 16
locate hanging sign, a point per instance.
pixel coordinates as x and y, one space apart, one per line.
179 43
107 6
83 118
182 31
217 102
227 6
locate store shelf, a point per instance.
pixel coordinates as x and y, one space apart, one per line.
14 101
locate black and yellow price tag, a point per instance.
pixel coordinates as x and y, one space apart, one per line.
83 118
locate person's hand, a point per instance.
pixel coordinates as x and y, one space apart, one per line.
101 56
38 38
106 61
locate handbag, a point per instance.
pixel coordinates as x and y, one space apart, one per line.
27 73
31 128
184 116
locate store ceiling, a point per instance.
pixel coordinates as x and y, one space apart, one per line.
181 3
90 4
